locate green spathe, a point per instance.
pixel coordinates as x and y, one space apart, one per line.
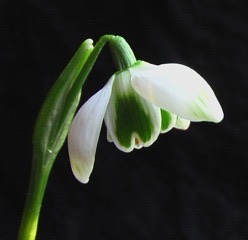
59 107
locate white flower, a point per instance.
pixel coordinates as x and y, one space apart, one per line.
137 105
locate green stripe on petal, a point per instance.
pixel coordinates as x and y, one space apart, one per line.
131 118
132 122
168 120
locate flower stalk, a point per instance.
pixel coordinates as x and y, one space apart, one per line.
37 185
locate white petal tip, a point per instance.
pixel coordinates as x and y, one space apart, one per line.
219 118
217 115
84 181
79 174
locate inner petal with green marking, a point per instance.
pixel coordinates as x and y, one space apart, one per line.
168 121
131 120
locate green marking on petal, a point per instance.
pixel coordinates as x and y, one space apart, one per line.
168 121
132 120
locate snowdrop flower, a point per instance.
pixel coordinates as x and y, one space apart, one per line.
137 104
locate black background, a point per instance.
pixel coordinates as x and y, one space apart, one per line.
189 184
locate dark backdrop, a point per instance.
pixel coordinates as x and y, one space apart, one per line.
188 184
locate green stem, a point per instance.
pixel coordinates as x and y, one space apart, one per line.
37 185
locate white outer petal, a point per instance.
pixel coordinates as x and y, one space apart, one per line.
179 90
84 133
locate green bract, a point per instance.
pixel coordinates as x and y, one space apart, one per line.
137 104
59 107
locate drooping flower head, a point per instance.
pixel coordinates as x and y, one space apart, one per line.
137 104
